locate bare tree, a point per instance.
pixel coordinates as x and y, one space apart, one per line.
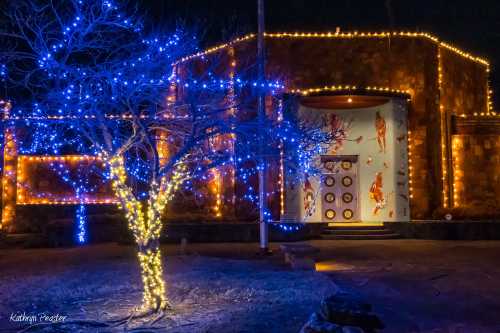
85 78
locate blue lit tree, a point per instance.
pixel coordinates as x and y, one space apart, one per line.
84 78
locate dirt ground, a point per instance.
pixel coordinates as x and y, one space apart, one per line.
413 285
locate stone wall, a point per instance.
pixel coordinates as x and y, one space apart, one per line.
464 85
396 62
476 170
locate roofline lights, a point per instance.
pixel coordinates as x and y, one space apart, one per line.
350 88
344 35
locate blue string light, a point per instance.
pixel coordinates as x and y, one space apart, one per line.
81 222
288 227
58 121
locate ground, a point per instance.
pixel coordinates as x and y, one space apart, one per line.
421 285
413 285
235 292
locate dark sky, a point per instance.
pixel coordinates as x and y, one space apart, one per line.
471 25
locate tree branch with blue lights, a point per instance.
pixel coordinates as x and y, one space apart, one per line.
85 78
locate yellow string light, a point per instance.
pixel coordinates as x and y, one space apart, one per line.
24 199
232 112
410 166
489 98
281 181
442 113
144 221
457 170
9 170
364 35
343 35
216 190
350 89
216 48
9 179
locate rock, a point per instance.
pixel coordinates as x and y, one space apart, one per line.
343 313
299 256
346 310
317 324
343 303
300 263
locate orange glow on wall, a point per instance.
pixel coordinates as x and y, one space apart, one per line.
38 184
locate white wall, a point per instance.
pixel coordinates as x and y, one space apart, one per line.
360 138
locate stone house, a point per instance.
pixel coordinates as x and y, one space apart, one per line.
420 136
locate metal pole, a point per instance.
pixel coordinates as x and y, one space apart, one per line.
263 227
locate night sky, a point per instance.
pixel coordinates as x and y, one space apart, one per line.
471 25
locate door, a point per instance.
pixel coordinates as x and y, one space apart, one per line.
340 188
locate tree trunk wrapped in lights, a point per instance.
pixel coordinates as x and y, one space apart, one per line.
144 220
152 277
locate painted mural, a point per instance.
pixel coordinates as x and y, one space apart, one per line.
309 197
376 139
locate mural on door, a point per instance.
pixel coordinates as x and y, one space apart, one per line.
377 137
339 188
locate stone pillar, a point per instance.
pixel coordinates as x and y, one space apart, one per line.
9 182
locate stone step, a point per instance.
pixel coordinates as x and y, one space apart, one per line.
355 224
361 237
356 227
357 231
